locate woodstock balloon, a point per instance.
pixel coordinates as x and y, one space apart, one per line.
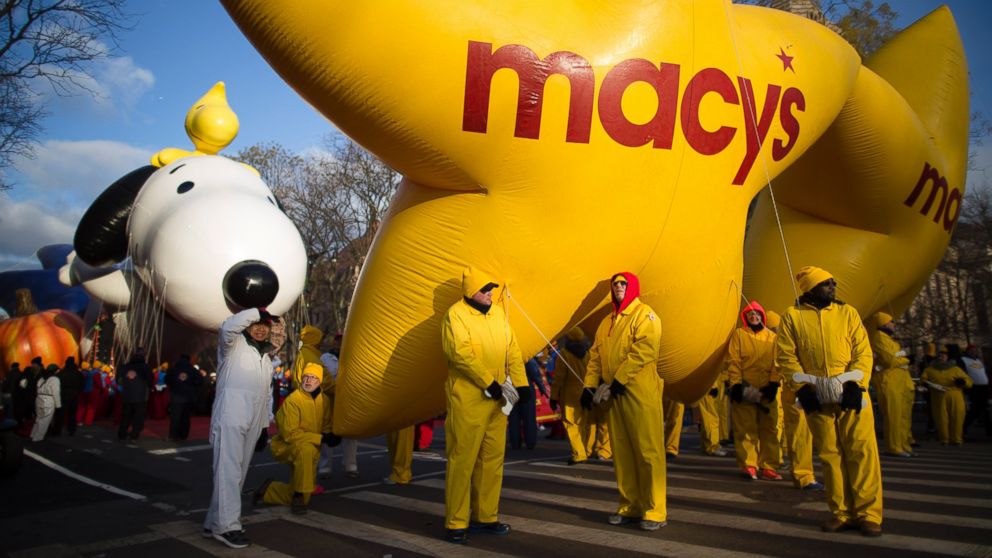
551 144
176 247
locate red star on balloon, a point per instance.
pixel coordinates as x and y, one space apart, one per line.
786 60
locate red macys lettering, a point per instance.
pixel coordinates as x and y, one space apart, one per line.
945 216
533 72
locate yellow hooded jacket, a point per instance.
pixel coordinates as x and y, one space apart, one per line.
480 348
823 342
626 346
310 354
566 387
302 418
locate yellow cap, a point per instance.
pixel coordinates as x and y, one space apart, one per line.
811 276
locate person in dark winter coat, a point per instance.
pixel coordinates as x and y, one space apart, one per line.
71 382
10 390
183 381
135 381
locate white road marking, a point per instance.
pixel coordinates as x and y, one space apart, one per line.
82 479
184 449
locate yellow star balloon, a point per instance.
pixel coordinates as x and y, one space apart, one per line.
552 144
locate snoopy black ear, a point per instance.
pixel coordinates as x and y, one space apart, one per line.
101 236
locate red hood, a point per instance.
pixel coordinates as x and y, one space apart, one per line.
753 306
633 291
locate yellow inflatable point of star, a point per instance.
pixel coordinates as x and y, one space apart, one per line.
555 144
875 201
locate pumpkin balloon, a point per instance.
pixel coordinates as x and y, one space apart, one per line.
52 335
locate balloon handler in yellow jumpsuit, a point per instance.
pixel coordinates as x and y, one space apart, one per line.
893 385
485 374
946 382
623 372
823 348
304 421
754 395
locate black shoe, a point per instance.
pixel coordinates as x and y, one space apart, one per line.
493 528
457 536
297 506
670 456
259 493
233 539
572 461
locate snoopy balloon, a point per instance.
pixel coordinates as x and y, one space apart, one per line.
200 236
552 144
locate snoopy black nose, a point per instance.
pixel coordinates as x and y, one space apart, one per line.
250 284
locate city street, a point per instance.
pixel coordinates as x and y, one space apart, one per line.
91 496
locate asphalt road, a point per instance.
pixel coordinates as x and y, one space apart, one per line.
90 496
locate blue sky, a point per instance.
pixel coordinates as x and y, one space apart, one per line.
176 50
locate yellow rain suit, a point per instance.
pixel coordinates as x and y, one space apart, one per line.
302 418
310 353
673 411
751 360
948 406
797 440
570 372
400 445
626 350
709 418
893 385
480 349
826 343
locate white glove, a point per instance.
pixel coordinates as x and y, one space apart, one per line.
602 394
829 389
23 384
752 394
510 392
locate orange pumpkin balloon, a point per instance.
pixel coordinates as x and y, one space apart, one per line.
52 335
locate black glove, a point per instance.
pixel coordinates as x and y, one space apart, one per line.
263 439
850 398
525 393
769 392
737 393
586 400
617 389
330 439
714 392
959 382
495 391
807 399
554 404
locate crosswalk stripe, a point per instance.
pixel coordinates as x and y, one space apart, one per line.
675 492
582 467
616 538
920 517
749 524
943 472
190 533
382 535
895 479
936 498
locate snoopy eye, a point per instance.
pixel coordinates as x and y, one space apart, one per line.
184 187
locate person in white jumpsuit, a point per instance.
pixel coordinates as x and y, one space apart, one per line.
240 412
48 399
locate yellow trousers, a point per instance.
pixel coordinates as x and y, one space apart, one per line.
723 406
851 470
636 430
476 442
579 430
891 387
797 440
948 415
756 435
302 458
673 425
709 423
601 432
400 445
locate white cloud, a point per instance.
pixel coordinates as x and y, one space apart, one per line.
28 225
75 172
110 87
